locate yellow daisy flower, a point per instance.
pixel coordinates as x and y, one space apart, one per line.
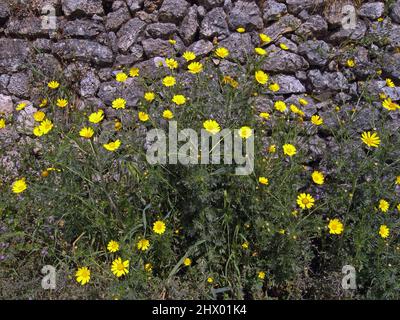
159 227
113 145
82 275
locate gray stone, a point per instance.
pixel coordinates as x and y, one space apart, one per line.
334 14
129 33
161 30
13 54
286 24
189 26
317 52
82 7
391 64
89 85
173 10
201 48
211 4
135 5
4 12
315 26
239 46
214 24
82 28
157 48
372 10
43 45
395 12
288 84
296 6
131 92
335 81
47 64
19 84
349 34
83 50
136 52
284 61
273 11
117 18
30 27
24 120
247 15
4 80
6 105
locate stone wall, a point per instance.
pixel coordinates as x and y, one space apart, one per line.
94 38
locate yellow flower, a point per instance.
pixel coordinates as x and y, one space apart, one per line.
143 116
2 123
187 262
148 267
210 280
284 46
19 186
113 145
390 105
119 103
261 77
113 246
245 132
169 81
195 67
263 180
335 226
21 106
211 126
167 114
264 38
389 83
46 126
143 244
96 117
121 77
117 125
317 120
149 96
272 148
305 201
53 85
172 41
318 177
289 149
382 96
371 140
398 207
39 116
134 72
189 55
229 80
384 231
120 268
241 30
397 180
303 102
37 131
383 205
171 63
264 115
260 51
280 106
274 87
245 245
351 63
159 227
179 99
222 52
86 132
43 103
261 275
62 103
82 275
